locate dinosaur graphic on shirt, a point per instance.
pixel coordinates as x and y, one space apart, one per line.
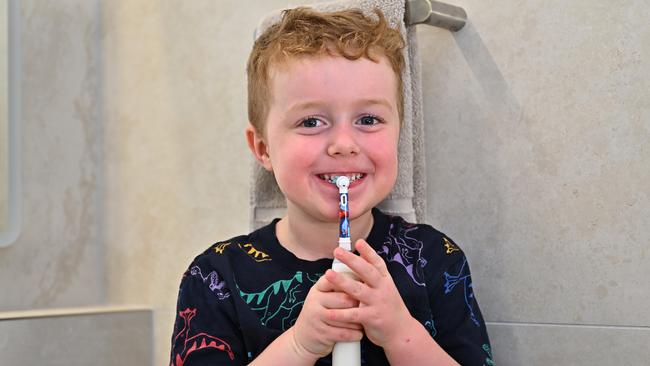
430 325
257 255
196 342
488 360
401 248
219 248
463 276
279 304
217 286
450 247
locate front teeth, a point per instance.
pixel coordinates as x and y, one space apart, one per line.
332 178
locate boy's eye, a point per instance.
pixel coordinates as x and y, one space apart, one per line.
369 120
310 122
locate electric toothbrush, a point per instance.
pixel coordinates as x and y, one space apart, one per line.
345 353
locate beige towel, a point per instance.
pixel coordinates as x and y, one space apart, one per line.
408 198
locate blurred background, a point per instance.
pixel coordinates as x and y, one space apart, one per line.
133 161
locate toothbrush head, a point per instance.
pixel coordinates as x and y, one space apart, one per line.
343 182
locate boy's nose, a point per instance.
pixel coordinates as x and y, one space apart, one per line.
343 143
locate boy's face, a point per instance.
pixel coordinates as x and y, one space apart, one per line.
331 116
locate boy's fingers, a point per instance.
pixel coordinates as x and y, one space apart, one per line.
357 290
349 316
349 335
331 297
324 285
371 256
347 325
370 272
363 269
338 300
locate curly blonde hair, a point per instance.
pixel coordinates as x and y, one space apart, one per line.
306 32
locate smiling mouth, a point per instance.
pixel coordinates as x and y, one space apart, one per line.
331 178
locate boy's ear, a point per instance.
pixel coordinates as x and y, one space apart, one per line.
258 147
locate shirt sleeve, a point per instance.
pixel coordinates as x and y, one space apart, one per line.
205 332
461 330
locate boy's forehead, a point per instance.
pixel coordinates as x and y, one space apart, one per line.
310 83
287 63
283 57
302 72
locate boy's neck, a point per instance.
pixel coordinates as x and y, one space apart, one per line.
311 239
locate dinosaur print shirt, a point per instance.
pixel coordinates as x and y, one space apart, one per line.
239 295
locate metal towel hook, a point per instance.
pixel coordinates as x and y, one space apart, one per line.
435 13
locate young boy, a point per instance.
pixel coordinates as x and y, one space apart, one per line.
325 101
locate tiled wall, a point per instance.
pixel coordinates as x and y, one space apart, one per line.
4 103
538 122
57 259
99 337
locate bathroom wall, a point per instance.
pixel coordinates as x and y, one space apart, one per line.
53 303
538 124
536 118
4 120
57 260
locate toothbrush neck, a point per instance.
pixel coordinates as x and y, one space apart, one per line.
311 240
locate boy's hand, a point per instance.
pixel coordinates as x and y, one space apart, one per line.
314 333
381 310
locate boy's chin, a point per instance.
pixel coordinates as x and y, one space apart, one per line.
355 214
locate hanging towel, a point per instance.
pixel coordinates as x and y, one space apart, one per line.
408 197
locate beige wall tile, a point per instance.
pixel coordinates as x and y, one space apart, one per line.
537 156
57 259
101 339
540 344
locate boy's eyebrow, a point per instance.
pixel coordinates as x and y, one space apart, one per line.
380 101
363 102
305 105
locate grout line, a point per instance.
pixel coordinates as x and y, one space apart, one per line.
564 325
72 311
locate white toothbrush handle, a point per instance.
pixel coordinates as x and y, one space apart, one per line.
346 353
